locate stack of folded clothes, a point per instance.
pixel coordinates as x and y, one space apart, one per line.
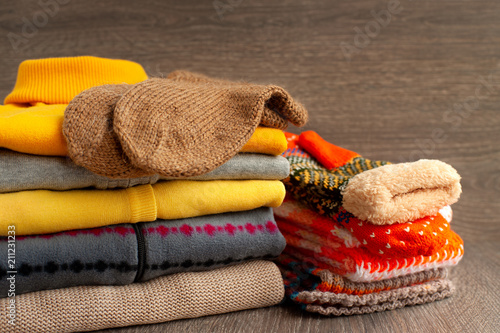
362 235
137 200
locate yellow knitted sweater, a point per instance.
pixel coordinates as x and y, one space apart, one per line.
31 119
41 211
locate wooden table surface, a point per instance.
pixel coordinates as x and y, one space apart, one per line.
422 83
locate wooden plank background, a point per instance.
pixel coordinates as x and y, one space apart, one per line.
405 91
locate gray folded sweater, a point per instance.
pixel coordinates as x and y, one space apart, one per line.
126 253
22 172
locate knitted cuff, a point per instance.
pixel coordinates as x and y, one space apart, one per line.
142 203
58 80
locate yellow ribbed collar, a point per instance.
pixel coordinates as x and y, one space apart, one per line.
58 80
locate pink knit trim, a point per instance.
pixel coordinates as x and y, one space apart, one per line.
211 230
185 229
122 231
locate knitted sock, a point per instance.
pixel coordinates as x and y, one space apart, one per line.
90 115
181 129
305 276
358 264
331 246
318 290
183 295
415 295
328 177
424 236
337 284
373 298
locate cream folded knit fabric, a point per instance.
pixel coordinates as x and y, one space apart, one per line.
184 295
402 192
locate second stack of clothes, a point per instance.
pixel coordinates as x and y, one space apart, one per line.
365 235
